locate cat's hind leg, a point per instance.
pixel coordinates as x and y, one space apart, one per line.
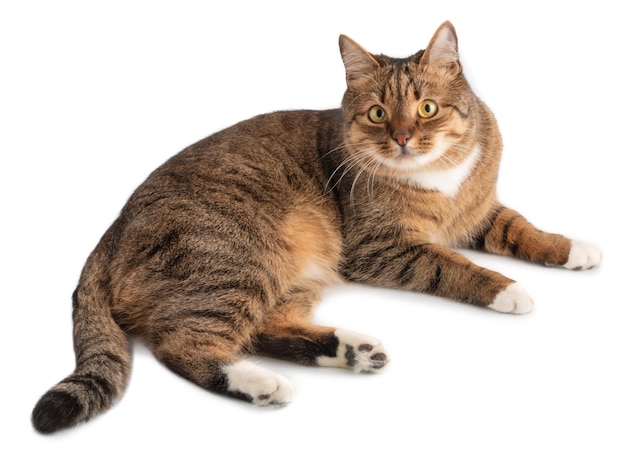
211 367
313 345
200 341
289 335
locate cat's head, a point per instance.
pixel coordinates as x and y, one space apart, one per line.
407 115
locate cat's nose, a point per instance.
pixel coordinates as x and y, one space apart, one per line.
401 136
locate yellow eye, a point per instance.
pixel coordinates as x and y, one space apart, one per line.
377 114
427 109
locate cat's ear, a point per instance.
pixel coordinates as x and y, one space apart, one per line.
356 59
442 52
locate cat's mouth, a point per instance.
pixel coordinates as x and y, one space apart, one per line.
409 159
407 152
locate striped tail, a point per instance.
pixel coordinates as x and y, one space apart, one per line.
102 361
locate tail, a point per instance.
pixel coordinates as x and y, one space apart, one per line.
102 359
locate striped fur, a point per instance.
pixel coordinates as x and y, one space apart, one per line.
225 248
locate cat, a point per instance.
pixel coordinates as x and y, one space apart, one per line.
225 248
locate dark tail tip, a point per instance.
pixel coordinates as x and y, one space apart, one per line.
56 410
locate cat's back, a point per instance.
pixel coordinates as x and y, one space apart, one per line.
260 186
288 136
270 152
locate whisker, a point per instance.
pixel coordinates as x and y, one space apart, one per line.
345 145
347 164
351 161
371 179
363 169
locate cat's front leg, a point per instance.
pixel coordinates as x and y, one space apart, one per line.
507 232
433 269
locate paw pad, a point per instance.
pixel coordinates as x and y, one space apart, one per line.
361 353
365 358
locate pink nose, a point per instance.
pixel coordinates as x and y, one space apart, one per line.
401 137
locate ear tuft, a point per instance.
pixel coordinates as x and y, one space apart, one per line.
442 51
357 61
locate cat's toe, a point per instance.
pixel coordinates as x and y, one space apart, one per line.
513 299
359 352
583 255
280 392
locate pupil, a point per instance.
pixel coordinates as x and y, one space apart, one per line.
379 113
427 108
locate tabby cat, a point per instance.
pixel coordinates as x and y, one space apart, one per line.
225 248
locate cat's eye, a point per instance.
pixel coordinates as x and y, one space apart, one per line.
377 114
427 109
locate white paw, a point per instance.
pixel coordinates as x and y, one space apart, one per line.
258 385
513 299
583 256
362 353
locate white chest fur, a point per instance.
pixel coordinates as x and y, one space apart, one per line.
447 181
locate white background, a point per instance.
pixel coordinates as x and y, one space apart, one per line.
93 98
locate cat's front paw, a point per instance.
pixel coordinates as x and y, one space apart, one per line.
513 299
362 353
583 255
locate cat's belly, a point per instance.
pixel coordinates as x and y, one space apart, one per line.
313 245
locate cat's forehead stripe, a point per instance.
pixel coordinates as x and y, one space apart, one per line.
400 83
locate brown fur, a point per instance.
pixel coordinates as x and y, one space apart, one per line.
225 248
